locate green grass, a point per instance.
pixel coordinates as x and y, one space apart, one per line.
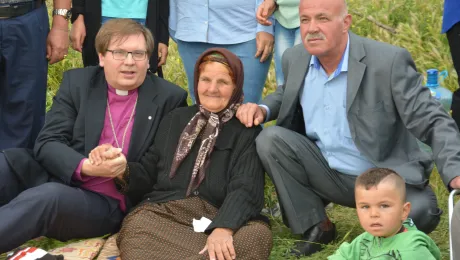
418 25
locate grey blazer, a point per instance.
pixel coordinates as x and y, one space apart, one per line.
387 109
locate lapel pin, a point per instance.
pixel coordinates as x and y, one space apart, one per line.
150 117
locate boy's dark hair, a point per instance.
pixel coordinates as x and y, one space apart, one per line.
374 176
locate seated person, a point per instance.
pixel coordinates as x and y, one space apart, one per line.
204 163
55 191
349 104
382 209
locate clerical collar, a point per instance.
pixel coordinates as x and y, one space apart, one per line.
120 92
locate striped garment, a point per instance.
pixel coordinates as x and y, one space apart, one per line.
32 253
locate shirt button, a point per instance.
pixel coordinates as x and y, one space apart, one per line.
196 193
205 5
206 22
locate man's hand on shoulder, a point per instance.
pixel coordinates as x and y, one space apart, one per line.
455 183
251 114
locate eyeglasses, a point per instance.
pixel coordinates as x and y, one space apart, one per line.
122 55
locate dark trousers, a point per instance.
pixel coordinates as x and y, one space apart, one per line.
53 210
23 77
453 36
305 183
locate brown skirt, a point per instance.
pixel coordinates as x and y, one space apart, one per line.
165 232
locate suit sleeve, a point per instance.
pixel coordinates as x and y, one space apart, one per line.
78 7
141 176
163 27
274 100
424 117
245 191
52 147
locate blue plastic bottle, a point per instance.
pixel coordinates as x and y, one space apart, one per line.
440 93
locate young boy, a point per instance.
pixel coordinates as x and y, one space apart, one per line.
382 209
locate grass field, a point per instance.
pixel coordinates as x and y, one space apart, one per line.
417 26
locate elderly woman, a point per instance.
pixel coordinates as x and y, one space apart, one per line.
205 165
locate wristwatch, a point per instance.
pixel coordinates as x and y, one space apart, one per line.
63 12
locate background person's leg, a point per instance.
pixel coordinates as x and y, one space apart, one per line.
189 53
23 77
453 36
284 38
424 208
255 72
57 211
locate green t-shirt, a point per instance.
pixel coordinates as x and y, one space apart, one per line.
125 9
409 245
288 13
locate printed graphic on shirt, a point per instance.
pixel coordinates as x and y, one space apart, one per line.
366 249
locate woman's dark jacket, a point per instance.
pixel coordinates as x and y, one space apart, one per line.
157 22
234 181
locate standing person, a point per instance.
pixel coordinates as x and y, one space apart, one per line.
451 27
287 28
232 25
27 46
89 15
349 104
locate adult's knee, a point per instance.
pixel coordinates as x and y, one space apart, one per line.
10 186
425 212
48 195
265 141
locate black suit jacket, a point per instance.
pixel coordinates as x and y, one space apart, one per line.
74 124
157 22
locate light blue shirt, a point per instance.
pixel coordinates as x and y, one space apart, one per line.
125 9
216 21
324 105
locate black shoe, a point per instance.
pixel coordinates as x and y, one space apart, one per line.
313 240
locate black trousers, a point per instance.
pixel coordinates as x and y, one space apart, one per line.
305 183
53 209
453 36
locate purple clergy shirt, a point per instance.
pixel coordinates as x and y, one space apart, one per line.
121 108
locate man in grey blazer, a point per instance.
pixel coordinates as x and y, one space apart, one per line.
349 104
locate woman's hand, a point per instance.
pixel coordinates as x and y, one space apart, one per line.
78 33
264 11
220 245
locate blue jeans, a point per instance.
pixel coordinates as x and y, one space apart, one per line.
23 77
105 19
255 72
284 38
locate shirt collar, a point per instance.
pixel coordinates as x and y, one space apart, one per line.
342 67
